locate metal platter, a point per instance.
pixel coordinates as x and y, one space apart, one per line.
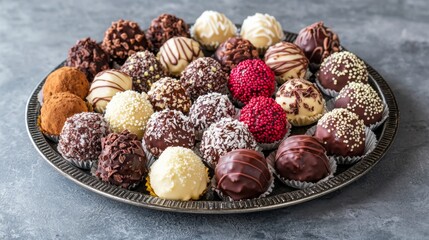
282 196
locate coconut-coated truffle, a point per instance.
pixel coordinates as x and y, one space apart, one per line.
168 93
66 79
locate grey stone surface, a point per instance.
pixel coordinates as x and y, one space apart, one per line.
390 202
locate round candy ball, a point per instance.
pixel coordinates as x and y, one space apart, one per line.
66 79
233 51
168 93
164 27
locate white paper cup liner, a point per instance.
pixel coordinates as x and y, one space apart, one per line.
149 156
83 164
274 145
327 92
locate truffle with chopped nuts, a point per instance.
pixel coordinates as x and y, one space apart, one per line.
169 93
233 51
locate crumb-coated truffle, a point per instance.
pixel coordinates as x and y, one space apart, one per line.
122 161
66 79
202 76
144 69
169 93
89 57
233 51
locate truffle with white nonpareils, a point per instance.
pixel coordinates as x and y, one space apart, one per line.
168 93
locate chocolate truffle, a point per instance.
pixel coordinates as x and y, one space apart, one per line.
243 174
89 57
144 69
251 78
56 109
66 79
224 136
177 53
233 51
363 100
168 128
339 69
262 30
124 38
130 111
265 119
302 102
209 109
169 93
81 136
302 158
342 133
105 85
317 42
178 174
203 76
165 27
122 161
212 28
287 61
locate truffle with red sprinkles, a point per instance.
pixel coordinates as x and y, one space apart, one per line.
169 93
168 128
266 119
233 51
224 136
342 133
251 78
363 100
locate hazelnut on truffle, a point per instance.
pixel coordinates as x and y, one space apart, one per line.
66 79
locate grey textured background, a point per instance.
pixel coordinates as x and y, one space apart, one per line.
390 202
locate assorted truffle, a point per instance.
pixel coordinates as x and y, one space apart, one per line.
233 51
66 79
168 93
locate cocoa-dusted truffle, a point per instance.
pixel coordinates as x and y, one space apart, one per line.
233 51
243 174
363 100
124 38
122 161
342 133
339 69
66 79
168 128
317 41
144 69
302 158
81 136
203 76
165 27
89 57
169 93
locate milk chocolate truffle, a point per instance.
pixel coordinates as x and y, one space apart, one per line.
287 61
262 30
66 79
177 53
165 27
105 85
339 69
224 136
168 128
124 38
130 111
318 42
342 133
144 69
302 102
56 109
243 174
363 100
168 93
213 28
202 76
89 57
233 51
302 158
81 135
122 161
178 174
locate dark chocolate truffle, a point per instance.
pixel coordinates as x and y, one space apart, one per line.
89 57
122 161
233 51
342 133
165 27
243 174
168 128
168 93
144 69
203 76
302 158
317 42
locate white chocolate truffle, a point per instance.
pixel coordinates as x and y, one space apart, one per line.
178 174
213 28
105 85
